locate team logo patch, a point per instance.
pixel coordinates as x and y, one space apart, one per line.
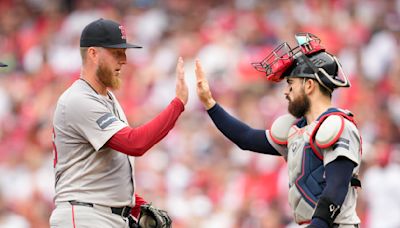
294 146
123 32
106 120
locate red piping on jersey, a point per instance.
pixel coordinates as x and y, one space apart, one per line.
323 146
314 149
302 174
295 131
73 216
305 222
277 141
136 141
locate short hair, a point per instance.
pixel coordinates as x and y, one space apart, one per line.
83 51
323 90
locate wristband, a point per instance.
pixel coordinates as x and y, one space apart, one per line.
326 210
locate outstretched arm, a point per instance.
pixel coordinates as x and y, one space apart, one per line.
239 133
136 141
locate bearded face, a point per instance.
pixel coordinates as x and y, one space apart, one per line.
300 105
107 76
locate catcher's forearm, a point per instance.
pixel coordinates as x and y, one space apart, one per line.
338 175
239 133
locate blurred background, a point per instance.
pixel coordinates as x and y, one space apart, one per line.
196 174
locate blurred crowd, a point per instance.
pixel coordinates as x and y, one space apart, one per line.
196 174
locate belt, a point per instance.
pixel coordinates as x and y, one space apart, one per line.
122 211
338 225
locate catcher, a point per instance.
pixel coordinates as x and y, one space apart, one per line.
320 143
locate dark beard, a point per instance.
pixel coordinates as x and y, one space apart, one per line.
105 75
299 106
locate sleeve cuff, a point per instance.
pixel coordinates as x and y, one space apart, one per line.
213 108
178 103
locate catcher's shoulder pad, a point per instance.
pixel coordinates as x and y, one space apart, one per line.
329 131
279 131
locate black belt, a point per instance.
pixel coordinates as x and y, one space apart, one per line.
337 225
122 211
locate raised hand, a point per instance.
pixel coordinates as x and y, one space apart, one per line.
203 88
181 89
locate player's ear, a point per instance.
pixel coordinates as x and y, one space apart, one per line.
309 85
92 54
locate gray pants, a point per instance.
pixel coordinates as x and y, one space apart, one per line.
66 215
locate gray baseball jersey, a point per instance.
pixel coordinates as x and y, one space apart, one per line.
85 169
300 158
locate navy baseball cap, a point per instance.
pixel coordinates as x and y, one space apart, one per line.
3 65
105 33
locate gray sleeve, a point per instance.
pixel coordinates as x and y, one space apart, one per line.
91 118
348 145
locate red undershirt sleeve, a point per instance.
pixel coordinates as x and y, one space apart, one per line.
136 141
136 210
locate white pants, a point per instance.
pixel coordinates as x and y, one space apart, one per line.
66 215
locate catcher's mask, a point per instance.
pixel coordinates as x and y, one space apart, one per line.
308 60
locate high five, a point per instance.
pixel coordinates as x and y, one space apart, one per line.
320 143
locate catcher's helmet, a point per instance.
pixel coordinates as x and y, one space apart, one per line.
308 60
321 66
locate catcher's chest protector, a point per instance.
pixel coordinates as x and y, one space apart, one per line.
307 145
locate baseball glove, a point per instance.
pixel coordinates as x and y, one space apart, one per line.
151 217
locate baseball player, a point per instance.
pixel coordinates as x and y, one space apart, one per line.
320 143
93 142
